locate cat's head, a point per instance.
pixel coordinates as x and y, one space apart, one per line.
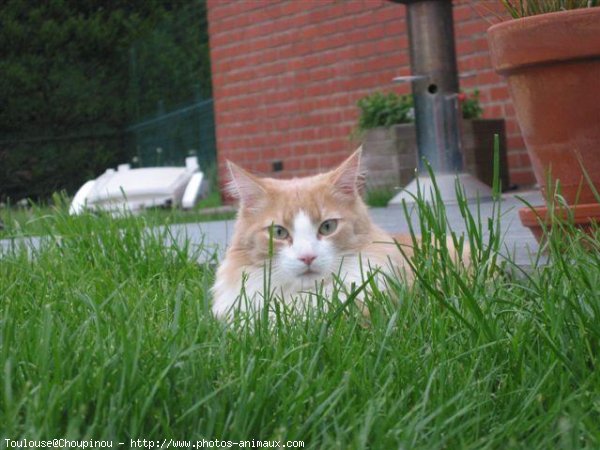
312 222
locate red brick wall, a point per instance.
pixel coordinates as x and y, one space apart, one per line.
287 75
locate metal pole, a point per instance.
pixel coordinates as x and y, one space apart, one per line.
433 54
435 90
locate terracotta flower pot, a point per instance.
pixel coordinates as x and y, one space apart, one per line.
583 217
552 65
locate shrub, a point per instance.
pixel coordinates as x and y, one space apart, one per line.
384 110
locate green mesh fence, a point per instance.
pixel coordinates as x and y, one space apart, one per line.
168 138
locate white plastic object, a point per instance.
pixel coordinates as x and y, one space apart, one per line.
191 163
79 201
192 191
128 189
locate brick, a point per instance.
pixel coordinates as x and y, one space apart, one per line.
397 29
493 111
219 10
292 164
464 47
355 7
321 13
376 31
481 45
310 162
388 11
473 28
329 161
291 7
287 75
499 93
509 110
514 160
462 13
488 76
365 19
515 142
477 61
512 128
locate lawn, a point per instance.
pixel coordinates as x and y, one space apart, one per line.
106 333
36 219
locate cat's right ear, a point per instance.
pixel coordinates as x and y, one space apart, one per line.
348 178
244 186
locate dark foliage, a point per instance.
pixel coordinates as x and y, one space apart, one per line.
74 74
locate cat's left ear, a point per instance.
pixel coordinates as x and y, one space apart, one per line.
348 178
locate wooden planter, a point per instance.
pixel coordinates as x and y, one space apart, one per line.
390 155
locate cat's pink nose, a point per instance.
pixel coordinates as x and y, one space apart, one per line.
307 259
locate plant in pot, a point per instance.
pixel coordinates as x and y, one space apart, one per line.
387 132
384 110
550 57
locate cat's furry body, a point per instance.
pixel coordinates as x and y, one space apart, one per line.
320 229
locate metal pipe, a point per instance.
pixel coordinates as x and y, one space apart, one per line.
435 86
437 111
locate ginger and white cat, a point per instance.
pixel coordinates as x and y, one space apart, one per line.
320 229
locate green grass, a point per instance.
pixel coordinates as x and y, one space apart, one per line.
524 8
35 220
379 198
106 333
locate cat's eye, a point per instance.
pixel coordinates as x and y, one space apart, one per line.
280 233
328 227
